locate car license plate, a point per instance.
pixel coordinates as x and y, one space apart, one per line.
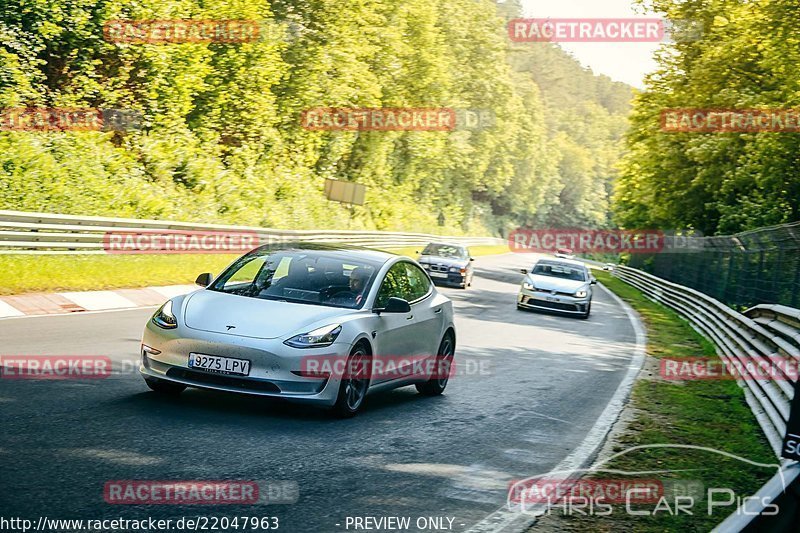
551 299
438 275
221 365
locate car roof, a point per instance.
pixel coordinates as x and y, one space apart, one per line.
355 252
559 261
455 244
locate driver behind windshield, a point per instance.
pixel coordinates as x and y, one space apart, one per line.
356 287
358 282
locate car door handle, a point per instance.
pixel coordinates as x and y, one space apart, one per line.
409 317
438 310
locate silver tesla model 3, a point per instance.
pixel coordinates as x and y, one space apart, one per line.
309 323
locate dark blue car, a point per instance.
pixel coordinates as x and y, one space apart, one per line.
447 264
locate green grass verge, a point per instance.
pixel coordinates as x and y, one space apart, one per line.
50 273
713 414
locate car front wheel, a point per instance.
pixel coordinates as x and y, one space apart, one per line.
354 385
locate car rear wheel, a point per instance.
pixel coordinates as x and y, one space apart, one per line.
354 385
164 387
444 361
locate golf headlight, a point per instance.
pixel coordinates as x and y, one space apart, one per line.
528 286
164 317
581 294
318 338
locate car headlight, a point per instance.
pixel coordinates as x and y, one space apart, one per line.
581 293
164 318
528 286
318 338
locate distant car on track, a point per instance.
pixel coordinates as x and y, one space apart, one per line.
448 264
559 285
564 253
254 328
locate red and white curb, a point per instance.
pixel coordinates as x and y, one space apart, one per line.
61 303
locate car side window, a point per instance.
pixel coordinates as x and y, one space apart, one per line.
395 284
417 281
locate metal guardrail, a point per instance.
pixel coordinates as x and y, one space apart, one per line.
762 333
44 233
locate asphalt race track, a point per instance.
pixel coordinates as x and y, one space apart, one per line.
545 381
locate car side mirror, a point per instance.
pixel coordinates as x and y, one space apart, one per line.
472 259
204 279
523 270
397 305
593 281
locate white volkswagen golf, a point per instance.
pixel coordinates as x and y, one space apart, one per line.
558 285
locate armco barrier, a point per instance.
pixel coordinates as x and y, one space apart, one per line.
765 332
44 233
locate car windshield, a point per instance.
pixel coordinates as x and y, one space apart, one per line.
445 250
331 278
560 270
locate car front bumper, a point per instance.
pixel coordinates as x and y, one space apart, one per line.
547 301
451 278
272 364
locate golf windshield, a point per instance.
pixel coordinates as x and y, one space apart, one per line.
559 270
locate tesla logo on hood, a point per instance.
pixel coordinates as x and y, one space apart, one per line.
230 327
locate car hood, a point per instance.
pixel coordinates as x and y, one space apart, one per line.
251 317
439 260
550 283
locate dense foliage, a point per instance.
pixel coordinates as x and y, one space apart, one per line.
221 139
717 183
